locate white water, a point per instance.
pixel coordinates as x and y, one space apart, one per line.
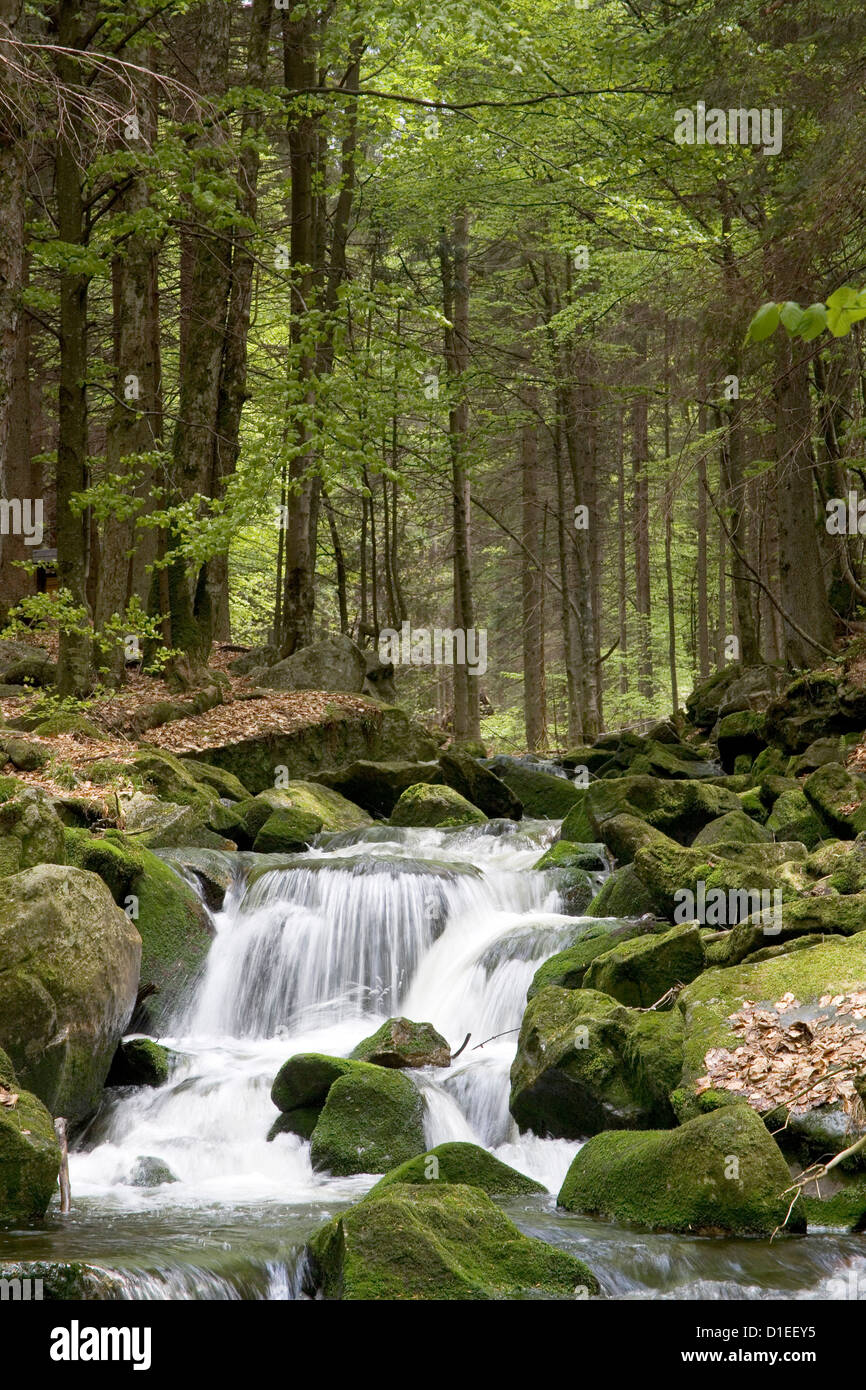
441 926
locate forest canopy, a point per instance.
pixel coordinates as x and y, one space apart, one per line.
534 324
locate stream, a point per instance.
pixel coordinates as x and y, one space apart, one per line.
445 926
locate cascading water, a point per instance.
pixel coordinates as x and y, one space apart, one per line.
179 1194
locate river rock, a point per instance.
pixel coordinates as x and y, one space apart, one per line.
435 806
378 786
29 1151
140 1062
480 786
540 793
69 968
447 1242
333 811
719 1173
372 1120
567 969
31 832
402 1043
679 808
461 1163
175 929
638 972
287 831
305 1080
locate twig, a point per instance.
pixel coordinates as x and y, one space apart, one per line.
493 1039
455 1055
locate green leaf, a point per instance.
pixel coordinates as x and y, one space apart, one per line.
790 315
812 322
845 306
765 322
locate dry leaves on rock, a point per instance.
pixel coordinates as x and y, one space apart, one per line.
8 1098
787 1061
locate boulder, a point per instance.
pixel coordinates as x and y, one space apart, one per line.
372 1119
734 827
838 797
163 825
287 831
21 663
402 1043
378 786
29 1151
31 832
335 663
622 895
668 871
212 869
140 1062
148 1171
174 927
379 679
461 1163
312 746
540 794
792 818
479 785
679 808
720 1173
639 971
740 735
226 786
571 1075
69 968
819 753
435 806
27 754
333 811
303 1082
567 969
437 1243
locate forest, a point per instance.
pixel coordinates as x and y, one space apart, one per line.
329 320
432 660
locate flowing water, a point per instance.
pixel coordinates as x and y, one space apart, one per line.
444 926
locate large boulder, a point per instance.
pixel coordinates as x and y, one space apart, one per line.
540 794
328 807
740 735
640 971
577 1068
479 785
839 799
225 785
729 876
29 1151
174 927
447 1242
313 744
793 818
430 806
567 969
402 1043
458 1162
287 832
679 808
304 1080
720 1173
69 968
372 1119
31 832
378 786
23 664
335 663
623 894
160 824
734 827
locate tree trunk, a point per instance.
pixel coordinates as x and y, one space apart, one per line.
532 580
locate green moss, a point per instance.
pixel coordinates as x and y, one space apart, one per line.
306 1079
541 794
140 1062
401 1043
287 831
839 799
844 1211
29 1153
718 1173
68 723
436 1243
640 971
622 895
173 925
461 1163
372 1120
568 968
432 805
734 827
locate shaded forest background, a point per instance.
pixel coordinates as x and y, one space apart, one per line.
332 318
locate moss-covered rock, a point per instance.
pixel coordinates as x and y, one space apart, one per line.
300 1122
838 797
372 1120
792 818
378 786
68 722
639 972
175 930
733 872
800 917
567 969
570 1076
431 806
225 784
31 832
845 1210
140 1062
734 827
678 808
461 1163
305 1080
401 1043
29 1151
718 1173
436 1243
65 1281
479 785
738 734
332 810
285 832
27 754
157 824
623 894
836 966
69 966
540 793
